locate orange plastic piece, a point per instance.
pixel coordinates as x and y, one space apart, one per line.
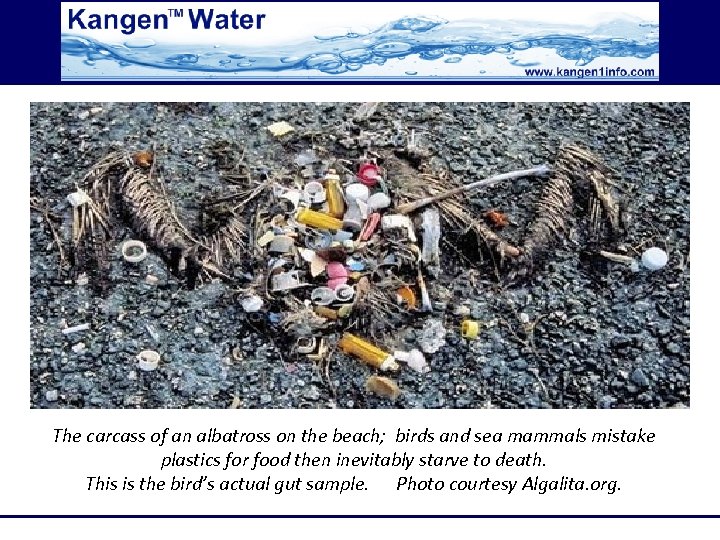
408 296
367 352
143 159
318 220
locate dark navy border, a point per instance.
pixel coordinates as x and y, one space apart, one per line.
687 47
362 516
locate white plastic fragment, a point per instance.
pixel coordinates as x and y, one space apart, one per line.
78 328
305 158
314 193
398 221
432 337
281 244
278 129
78 198
307 254
353 217
378 201
366 109
414 359
293 196
317 265
148 360
654 258
286 281
78 347
134 251
306 345
431 238
357 191
251 304
265 239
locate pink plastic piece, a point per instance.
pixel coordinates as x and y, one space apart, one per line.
336 270
370 226
369 174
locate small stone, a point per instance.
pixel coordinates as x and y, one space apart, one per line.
312 393
198 331
51 395
78 347
638 377
524 318
151 280
606 402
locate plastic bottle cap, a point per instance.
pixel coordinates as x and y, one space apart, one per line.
148 360
469 329
134 251
369 174
654 258
322 296
344 293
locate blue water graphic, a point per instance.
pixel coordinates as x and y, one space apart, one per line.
349 50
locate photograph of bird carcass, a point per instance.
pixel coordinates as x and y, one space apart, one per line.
360 255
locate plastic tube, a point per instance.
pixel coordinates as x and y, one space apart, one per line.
367 352
318 220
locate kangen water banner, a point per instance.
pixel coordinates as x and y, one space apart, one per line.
466 41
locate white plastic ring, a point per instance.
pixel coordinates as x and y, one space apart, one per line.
344 293
129 248
323 296
148 360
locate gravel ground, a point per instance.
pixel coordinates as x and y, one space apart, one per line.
604 336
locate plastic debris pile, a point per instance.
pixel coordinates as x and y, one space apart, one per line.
337 258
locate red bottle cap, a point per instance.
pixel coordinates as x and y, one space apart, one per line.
369 174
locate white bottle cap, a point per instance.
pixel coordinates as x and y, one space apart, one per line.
654 258
148 360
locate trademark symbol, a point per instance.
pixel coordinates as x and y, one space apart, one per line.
175 12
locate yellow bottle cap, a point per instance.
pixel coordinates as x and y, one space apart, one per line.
470 329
